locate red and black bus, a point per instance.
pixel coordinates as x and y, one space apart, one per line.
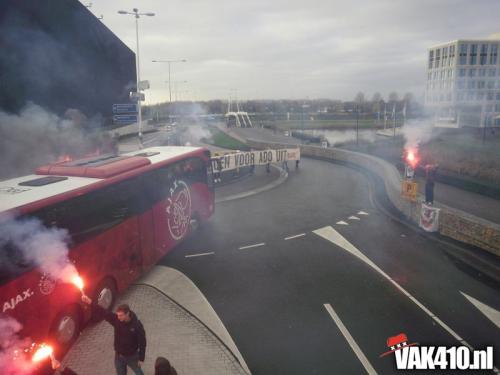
122 213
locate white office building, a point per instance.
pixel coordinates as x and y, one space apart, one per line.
463 83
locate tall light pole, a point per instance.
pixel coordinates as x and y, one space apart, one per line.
136 14
169 79
176 83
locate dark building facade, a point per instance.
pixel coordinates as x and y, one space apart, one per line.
57 54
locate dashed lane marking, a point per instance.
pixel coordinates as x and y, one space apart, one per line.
363 213
341 222
198 255
251 246
353 218
330 234
350 340
296 236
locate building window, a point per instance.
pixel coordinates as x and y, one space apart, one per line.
461 72
498 84
448 97
429 76
493 54
471 84
438 57
472 72
445 56
461 85
490 84
473 54
482 72
498 96
460 96
463 54
491 72
470 96
497 107
490 96
481 85
431 59
480 95
441 75
450 73
451 56
484 54
435 75
489 108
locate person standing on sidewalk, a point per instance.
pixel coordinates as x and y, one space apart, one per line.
130 338
430 177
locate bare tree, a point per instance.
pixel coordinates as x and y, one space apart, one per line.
393 97
359 98
377 97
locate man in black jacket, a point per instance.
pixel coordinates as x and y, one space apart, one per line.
130 338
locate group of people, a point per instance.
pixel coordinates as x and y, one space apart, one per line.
129 342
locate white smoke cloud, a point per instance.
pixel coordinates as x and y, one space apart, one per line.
417 132
36 136
45 247
13 358
338 137
30 242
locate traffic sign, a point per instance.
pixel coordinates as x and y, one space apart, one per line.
124 119
135 96
125 108
144 85
409 190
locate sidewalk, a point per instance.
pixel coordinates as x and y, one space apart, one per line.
180 325
475 204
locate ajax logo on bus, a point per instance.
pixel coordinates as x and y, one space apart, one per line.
179 210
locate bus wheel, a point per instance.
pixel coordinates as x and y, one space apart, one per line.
66 327
106 293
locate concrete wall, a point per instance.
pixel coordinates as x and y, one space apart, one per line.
453 223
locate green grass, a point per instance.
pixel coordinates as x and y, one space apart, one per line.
223 140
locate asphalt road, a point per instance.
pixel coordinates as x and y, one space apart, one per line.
276 298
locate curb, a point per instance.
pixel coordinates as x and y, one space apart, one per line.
282 178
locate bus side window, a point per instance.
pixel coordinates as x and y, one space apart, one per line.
12 262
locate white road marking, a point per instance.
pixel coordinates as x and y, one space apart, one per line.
489 312
341 222
352 343
250 246
330 234
353 218
296 236
198 255
363 213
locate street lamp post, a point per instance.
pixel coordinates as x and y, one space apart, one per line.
169 79
357 125
136 14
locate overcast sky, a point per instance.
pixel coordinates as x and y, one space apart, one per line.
293 49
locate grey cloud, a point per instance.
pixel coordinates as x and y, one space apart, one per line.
292 48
